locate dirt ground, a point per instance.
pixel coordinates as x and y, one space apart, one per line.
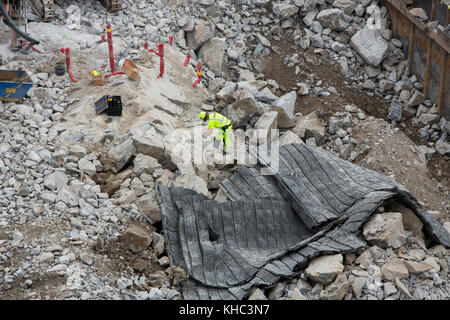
393 153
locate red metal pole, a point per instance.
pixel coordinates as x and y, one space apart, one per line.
67 51
171 40
199 74
161 56
160 53
110 45
188 57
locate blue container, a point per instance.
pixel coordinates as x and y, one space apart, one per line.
14 85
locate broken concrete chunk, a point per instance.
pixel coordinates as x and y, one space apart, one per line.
325 269
148 142
309 126
336 290
358 285
410 220
283 120
122 154
284 10
370 45
287 103
56 180
335 19
136 238
265 124
416 99
385 230
212 54
348 6
226 94
148 205
241 112
145 164
395 111
203 31
417 267
192 182
394 269
87 167
289 137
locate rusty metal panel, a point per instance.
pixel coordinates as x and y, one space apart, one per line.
442 12
419 55
416 38
435 73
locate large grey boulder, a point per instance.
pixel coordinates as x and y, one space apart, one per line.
202 33
145 164
192 182
212 54
264 125
148 142
287 103
335 19
385 230
370 45
416 99
241 112
348 6
284 120
148 205
121 154
288 138
310 126
395 111
56 180
284 10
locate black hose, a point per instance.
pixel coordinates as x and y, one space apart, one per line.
11 23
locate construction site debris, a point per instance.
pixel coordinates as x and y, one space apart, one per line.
14 85
325 211
112 105
130 69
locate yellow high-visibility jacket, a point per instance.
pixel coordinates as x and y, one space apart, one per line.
216 120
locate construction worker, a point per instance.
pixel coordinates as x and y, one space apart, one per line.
216 120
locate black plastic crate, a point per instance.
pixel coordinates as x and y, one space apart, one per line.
112 105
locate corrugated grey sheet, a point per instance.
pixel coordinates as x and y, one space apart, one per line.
315 204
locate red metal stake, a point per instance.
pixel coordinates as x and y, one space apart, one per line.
160 53
188 57
161 56
67 51
171 40
110 45
199 74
